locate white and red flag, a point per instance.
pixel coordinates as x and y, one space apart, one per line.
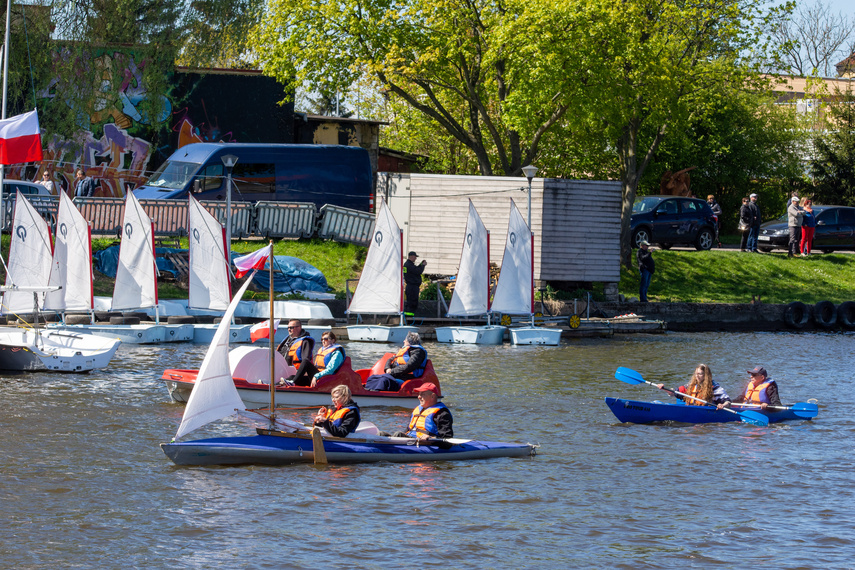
262 330
254 260
20 139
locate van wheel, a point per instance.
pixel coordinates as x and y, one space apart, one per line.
825 314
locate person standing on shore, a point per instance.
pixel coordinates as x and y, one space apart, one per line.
794 225
716 210
754 228
808 228
413 281
745 217
646 266
84 186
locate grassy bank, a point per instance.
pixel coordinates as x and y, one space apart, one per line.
733 277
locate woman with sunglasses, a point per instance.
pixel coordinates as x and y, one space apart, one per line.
329 357
343 418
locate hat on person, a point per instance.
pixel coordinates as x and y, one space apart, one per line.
753 196
427 387
644 242
412 253
794 199
758 370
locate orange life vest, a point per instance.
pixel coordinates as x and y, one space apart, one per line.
757 394
422 420
403 356
336 416
295 351
322 358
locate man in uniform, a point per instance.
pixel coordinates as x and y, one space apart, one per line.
413 281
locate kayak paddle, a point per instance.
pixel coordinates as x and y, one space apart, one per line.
630 376
801 409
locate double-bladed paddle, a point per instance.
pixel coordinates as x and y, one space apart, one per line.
802 409
630 376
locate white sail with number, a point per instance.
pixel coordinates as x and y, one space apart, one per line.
209 283
472 287
136 276
72 260
380 288
30 253
515 290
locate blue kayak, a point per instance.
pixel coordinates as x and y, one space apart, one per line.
279 448
647 412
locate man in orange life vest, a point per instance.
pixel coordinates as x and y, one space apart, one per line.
760 390
431 419
297 350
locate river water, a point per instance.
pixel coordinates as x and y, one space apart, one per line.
85 485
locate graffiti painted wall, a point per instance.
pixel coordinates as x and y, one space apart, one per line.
119 144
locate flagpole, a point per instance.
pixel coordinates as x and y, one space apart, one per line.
271 332
3 115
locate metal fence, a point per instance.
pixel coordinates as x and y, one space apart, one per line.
263 219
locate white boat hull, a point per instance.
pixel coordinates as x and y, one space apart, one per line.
535 335
379 333
56 350
204 334
129 334
178 333
491 334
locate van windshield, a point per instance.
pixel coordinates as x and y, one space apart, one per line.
173 175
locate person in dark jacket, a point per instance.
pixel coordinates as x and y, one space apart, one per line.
745 218
431 419
756 220
343 418
413 282
84 186
409 362
761 390
646 266
716 210
297 349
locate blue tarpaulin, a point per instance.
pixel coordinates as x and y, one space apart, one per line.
107 260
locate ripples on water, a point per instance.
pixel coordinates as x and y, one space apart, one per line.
85 484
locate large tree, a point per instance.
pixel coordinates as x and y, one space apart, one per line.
833 165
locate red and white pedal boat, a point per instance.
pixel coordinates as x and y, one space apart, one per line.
250 367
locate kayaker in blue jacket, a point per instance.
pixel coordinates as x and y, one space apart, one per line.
761 389
703 387
344 418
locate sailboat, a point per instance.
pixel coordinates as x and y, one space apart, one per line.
472 288
380 290
282 441
515 290
29 275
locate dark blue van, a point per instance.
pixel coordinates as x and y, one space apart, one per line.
323 174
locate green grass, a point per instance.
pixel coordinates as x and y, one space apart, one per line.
733 277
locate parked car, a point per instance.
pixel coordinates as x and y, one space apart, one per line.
28 188
835 230
670 220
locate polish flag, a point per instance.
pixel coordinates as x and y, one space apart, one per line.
254 260
20 139
262 330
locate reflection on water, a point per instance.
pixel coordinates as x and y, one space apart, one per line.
86 485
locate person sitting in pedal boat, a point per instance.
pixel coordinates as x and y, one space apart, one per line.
409 362
329 357
760 390
431 418
297 349
343 418
701 386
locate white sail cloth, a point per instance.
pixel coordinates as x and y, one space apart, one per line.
136 276
210 286
472 286
214 395
72 261
380 288
29 257
515 290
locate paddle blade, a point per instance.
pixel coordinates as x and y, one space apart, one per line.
628 375
805 410
754 418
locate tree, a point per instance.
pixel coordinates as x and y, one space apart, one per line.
813 39
833 167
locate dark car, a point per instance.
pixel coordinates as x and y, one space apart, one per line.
670 220
835 229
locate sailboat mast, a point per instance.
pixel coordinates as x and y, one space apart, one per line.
532 278
271 334
401 273
489 300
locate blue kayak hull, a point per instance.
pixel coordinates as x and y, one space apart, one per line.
286 449
648 412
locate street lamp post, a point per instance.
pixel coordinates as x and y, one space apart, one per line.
229 160
529 172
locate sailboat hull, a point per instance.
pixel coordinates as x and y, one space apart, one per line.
204 334
285 449
129 334
535 335
55 350
491 334
379 333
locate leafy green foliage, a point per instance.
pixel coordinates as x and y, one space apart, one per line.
833 167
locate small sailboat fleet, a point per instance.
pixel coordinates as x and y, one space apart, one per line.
282 441
37 268
380 290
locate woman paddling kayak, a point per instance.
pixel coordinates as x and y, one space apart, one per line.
701 386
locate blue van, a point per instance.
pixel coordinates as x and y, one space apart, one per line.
323 174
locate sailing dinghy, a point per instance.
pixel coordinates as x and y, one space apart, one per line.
515 290
282 441
380 290
29 272
471 296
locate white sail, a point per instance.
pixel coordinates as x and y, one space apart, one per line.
472 286
515 291
380 287
72 260
210 286
214 395
136 276
29 257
